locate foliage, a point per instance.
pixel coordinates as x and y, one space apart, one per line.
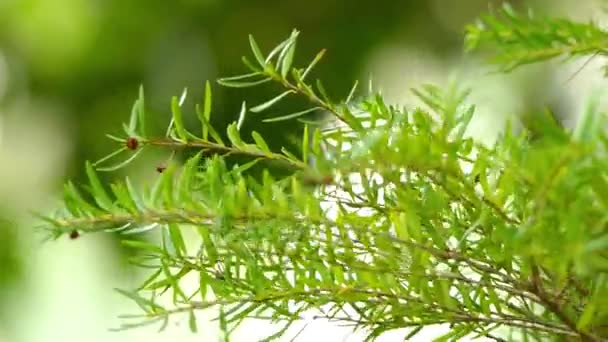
524 39
389 217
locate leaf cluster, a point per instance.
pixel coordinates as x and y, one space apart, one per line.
390 217
520 39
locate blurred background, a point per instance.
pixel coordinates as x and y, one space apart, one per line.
70 71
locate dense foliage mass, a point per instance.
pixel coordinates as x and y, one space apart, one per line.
386 218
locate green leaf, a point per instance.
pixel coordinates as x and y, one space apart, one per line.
413 333
243 314
455 334
150 279
101 196
242 114
465 120
241 77
166 186
124 198
208 127
117 139
322 91
256 51
288 154
289 51
250 65
316 142
400 223
600 187
260 142
588 124
224 325
141 111
206 114
599 244
587 316
121 164
270 102
73 196
177 239
188 174
110 156
147 305
142 245
238 169
132 128
305 144
351 94
312 64
177 118
134 195
192 322
292 115
233 135
351 120
282 47
234 84
173 283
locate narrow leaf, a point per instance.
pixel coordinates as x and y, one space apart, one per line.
241 77
234 84
242 114
281 46
292 115
177 239
133 120
351 120
287 59
322 91
256 51
206 110
123 197
192 322
115 138
233 135
134 195
141 111
142 245
250 65
121 164
464 123
270 102
146 304
289 154
208 126
177 118
351 94
110 156
101 196
312 64
259 141
305 146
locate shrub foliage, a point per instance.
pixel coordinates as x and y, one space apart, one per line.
387 218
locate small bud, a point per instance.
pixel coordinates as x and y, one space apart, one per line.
132 143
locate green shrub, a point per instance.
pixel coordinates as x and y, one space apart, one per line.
386 218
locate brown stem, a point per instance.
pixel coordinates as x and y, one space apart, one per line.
536 287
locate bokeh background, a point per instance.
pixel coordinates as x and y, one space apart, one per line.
70 71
